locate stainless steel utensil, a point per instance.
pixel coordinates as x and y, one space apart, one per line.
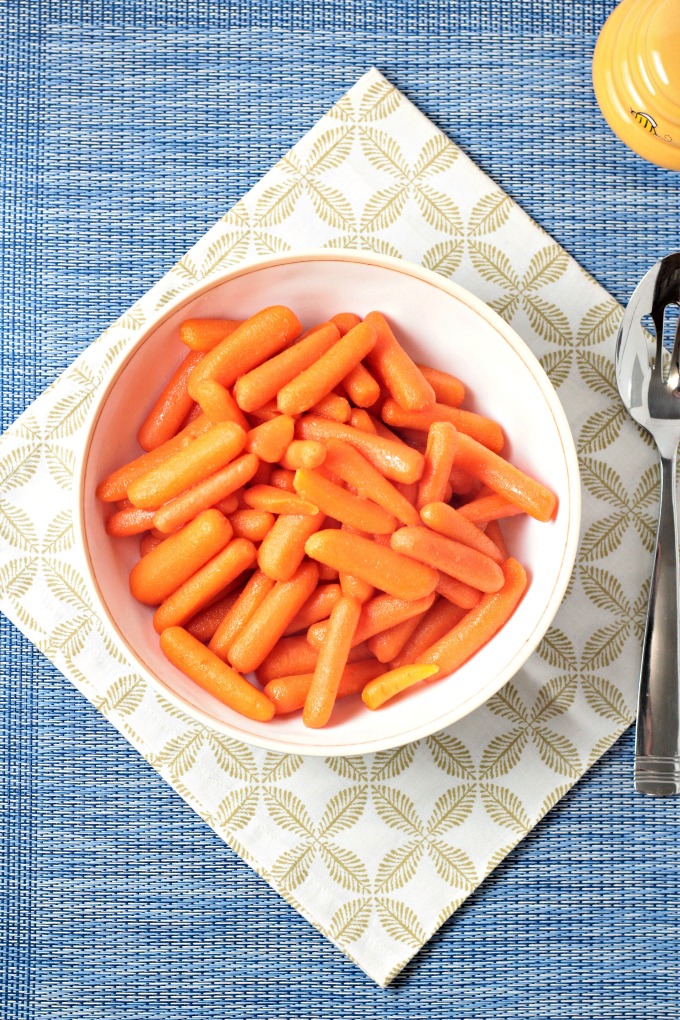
649 385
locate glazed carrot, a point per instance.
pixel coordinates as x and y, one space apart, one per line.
453 558
437 622
257 387
331 663
289 692
115 485
378 691
281 478
262 476
211 490
251 524
360 419
295 655
381 613
165 418
344 506
307 388
479 625
395 369
449 522
506 480
129 521
354 587
488 508
483 430
344 321
278 501
460 594
149 542
251 343
217 403
205 585
204 334
283 549
442 439
252 596
317 607
303 453
333 406
353 467
177 558
204 624
203 457
228 505
494 533
271 439
390 642
361 387
329 575
190 656
194 413
271 618
461 482
410 494
384 568
381 429
447 389
266 412
394 459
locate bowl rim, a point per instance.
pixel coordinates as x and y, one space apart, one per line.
340 748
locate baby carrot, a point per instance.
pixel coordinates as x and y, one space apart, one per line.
177 558
329 575
251 524
442 439
204 624
459 561
195 660
488 508
289 692
483 430
211 490
353 467
361 387
257 387
271 618
354 587
307 388
280 478
293 655
266 412
228 505
283 549
437 622
360 419
317 607
331 662
271 439
395 369
457 592
333 406
129 521
217 403
252 596
344 321
481 623
115 485
449 522
394 459
251 343
344 506
165 418
205 455
378 691
204 334
382 567
495 535
205 585
149 542
377 615
303 453
390 642
461 482
447 389
505 479
278 501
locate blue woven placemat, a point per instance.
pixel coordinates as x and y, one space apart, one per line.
128 129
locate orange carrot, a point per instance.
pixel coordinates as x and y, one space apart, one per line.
281 478
252 596
331 663
483 430
455 559
312 384
451 523
395 369
278 501
173 561
228 505
149 542
354 587
459 594
442 439
479 625
337 502
303 453
333 406
257 387
384 568
204 334
271 439
195 660
249 345
377 615
506 480
447 389
390 642
209 492
495 535
344 321
360 419
283 549
129 521
461 482
488 508
165 418
271 618
294 655
204 624
361 387
353 467
194 413
266 412
394 459
115 485
329 575
317 607
251 524
289 692
437 622
262 476
217 403
378 691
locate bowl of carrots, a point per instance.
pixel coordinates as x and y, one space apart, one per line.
329 501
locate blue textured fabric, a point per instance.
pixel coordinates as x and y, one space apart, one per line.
127 129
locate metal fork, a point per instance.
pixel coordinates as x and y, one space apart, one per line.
653 400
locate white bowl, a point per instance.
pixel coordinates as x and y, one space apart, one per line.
442 325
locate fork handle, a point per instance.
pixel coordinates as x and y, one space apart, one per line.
657 739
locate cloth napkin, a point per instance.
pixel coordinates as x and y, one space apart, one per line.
377 851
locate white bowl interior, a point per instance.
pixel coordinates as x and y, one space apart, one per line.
449 330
